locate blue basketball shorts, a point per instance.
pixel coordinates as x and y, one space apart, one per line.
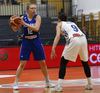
34 46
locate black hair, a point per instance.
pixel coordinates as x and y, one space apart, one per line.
62 17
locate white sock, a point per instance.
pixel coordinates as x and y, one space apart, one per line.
16 80
60 81
46 78
89 80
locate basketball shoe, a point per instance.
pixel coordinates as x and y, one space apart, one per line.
15 86
57 89
49 85
88 87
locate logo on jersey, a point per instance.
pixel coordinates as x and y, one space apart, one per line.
25 19
21 56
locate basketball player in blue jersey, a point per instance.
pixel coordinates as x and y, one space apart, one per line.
76 43
31 43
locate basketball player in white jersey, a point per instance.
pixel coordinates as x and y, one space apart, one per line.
76 43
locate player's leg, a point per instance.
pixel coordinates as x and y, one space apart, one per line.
88 74
84 58
43 67
86 70
70 52
24 56
62 72
18 73
39 55
45 73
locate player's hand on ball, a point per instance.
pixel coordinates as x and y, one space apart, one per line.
53 55
14 20
22 21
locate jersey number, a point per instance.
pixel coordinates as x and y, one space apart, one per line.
30 31
74 28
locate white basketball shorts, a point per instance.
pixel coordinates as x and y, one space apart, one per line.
77 45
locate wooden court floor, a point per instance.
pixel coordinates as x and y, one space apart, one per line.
32 80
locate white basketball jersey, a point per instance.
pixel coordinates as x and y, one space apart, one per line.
68 29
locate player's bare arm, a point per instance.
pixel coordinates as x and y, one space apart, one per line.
56 40
37 24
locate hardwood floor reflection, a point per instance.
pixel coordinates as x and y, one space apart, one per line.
33 80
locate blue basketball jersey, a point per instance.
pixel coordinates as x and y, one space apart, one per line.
31 45
27 31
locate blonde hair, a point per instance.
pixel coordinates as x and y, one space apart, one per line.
28 5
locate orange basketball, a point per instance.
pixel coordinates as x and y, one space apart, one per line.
14 20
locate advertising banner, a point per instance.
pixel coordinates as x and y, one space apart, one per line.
12 61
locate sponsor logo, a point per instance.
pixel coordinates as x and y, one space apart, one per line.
94 51
94 58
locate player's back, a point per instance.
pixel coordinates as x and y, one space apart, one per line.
69 29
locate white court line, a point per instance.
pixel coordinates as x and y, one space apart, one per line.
4 76
41 84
